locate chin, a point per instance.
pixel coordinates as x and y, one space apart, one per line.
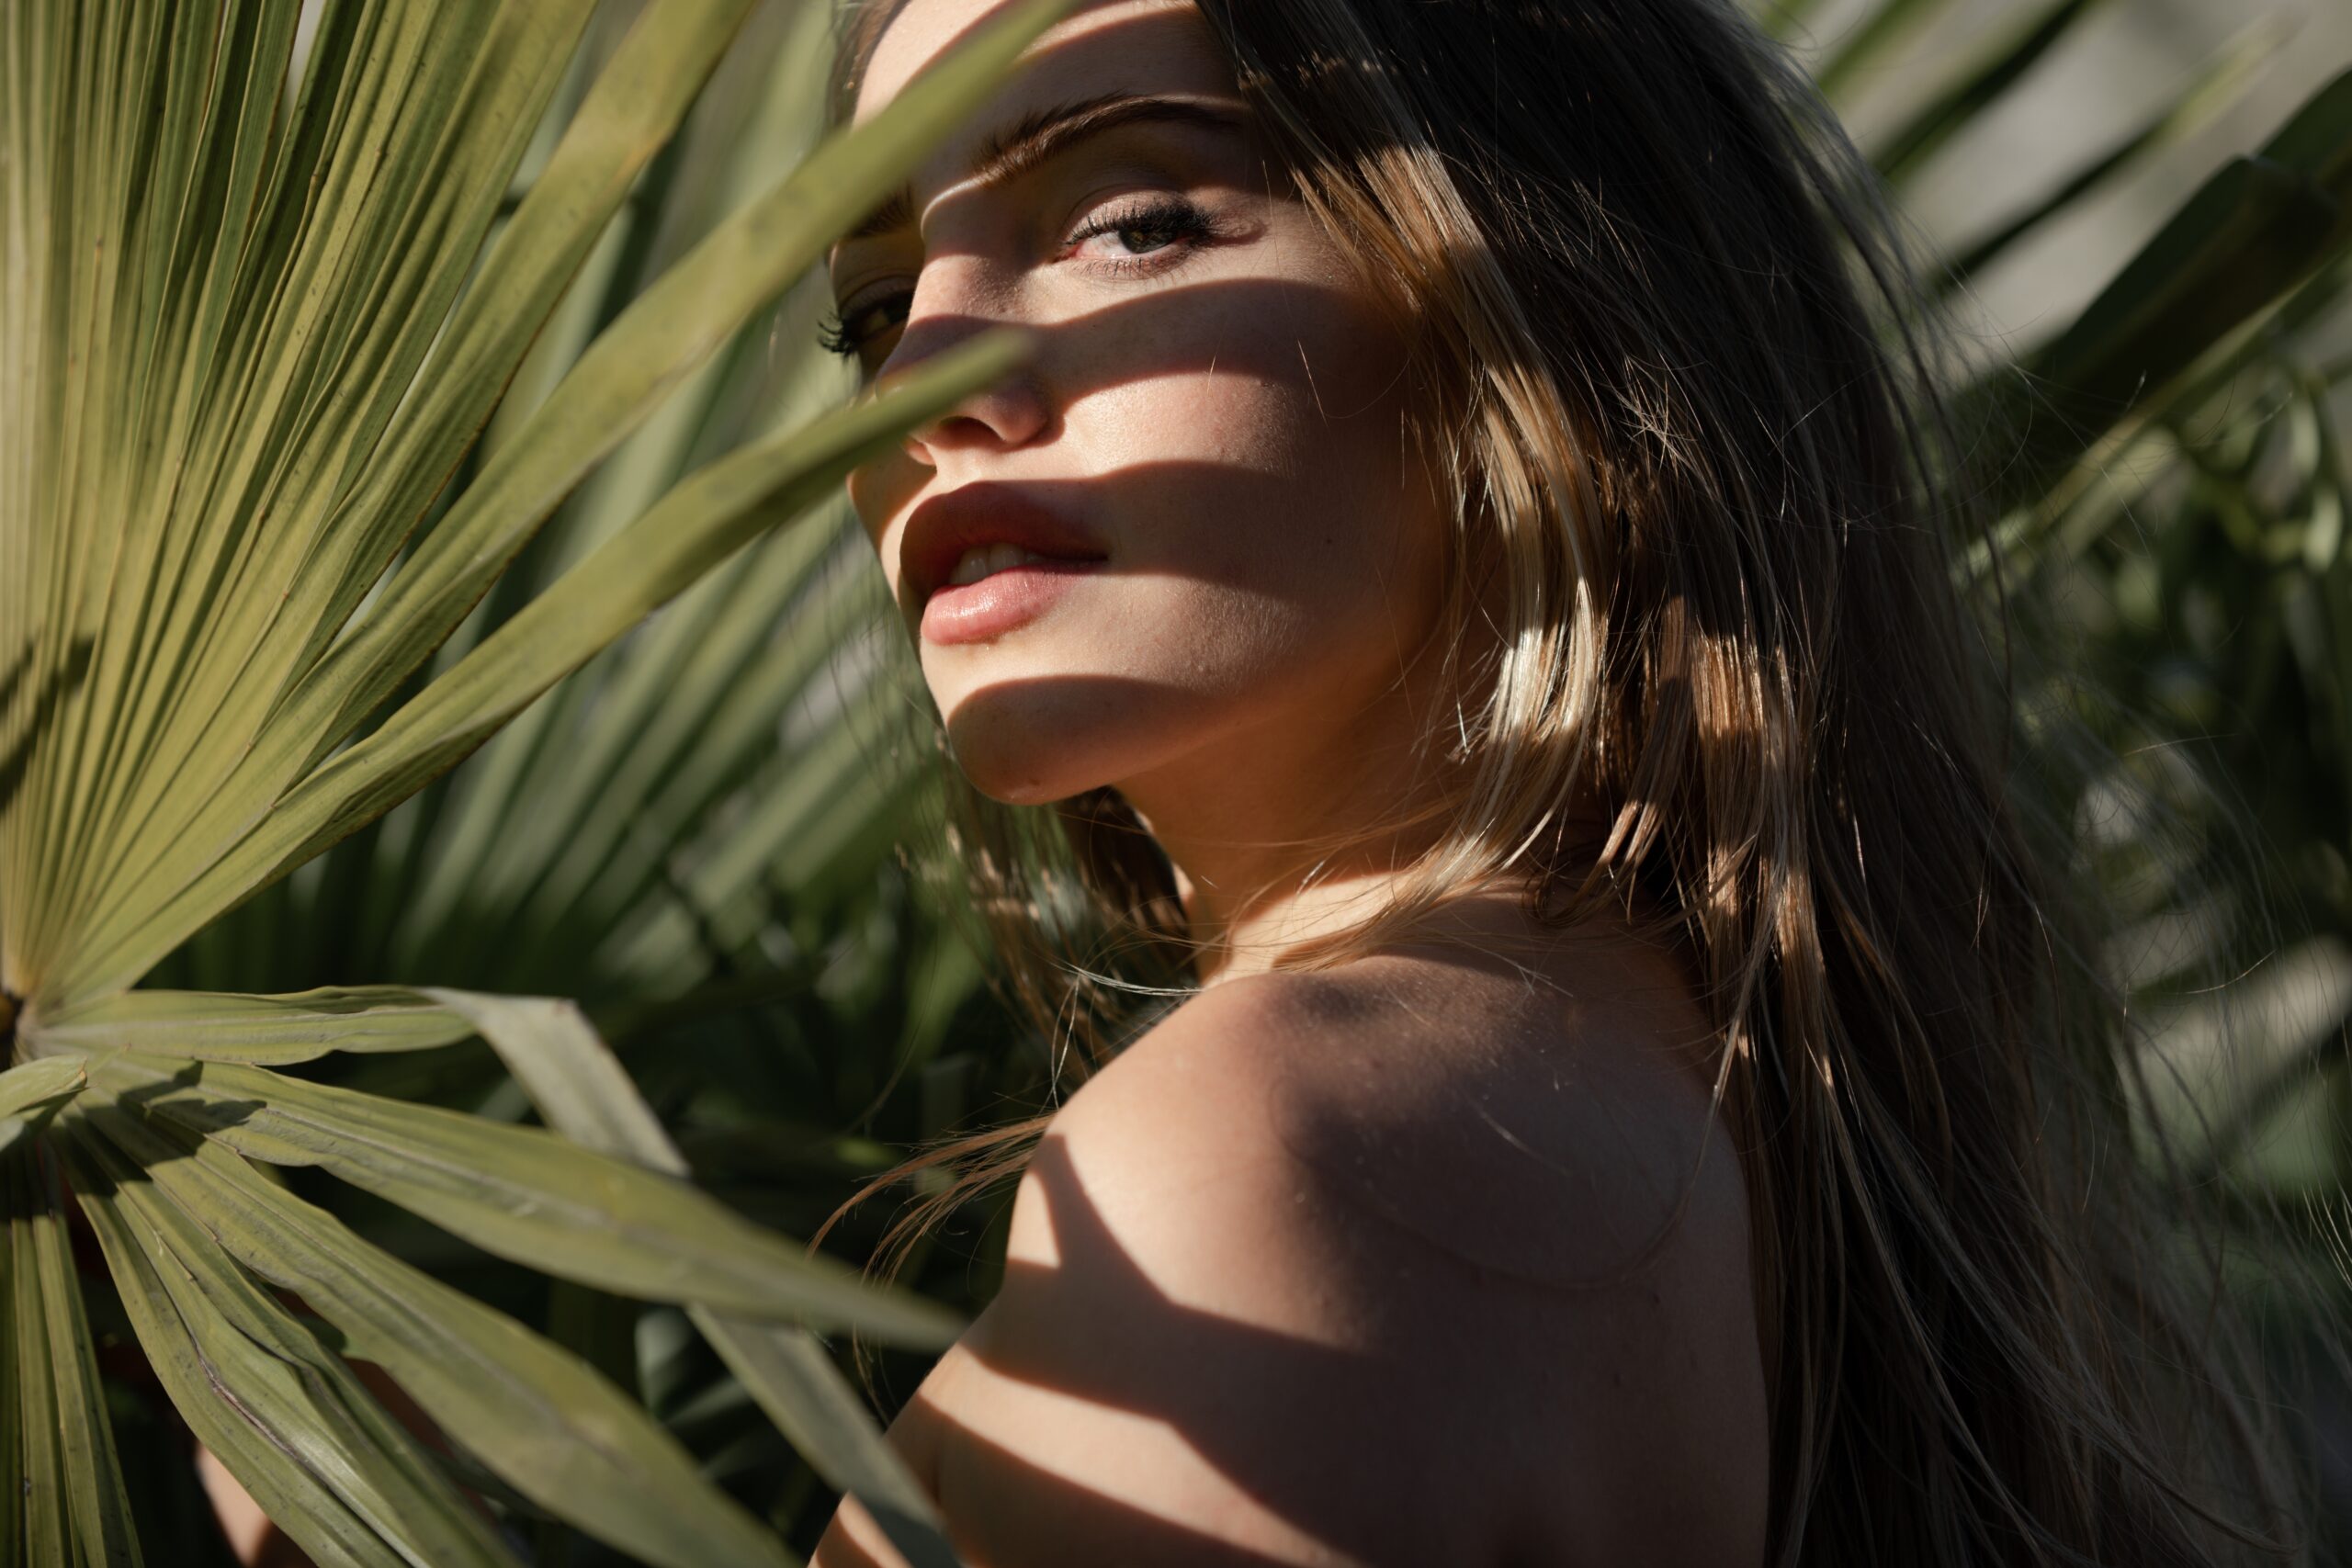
1015 753
1038 739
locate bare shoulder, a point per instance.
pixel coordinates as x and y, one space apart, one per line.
1188 1362
1412 1261
1507 1189
1402 1262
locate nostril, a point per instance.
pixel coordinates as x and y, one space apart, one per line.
948 432
1010 412
955 427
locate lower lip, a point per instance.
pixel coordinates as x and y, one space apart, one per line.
975 612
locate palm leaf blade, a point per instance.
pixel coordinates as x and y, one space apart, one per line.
2252 234
99 1506
1998 67
41 1490
373 211
708 516
519 1192
537 1417
29 1083
2215 89
329 548
663 334
581 1087
265 1031
286 1416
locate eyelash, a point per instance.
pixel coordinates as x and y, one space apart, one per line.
1172 217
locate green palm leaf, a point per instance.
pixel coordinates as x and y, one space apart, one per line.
2015 48
2236 252
704 520
73 1480
536 1415
517 1191
247 335
261 1030
2219 86
581 1087
281 1409
29 1083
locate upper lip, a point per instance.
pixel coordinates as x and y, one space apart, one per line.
943 527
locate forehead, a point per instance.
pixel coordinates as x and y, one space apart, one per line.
1136 46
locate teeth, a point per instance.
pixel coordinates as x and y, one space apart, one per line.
985 560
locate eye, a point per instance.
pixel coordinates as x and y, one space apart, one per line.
1145 229
1153 232
846 331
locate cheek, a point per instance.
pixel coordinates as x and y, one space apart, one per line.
1283 475
1277 556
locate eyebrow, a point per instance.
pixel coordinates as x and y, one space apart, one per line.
1015 149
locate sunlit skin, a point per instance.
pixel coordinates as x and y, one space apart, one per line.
1241 673
1332 1267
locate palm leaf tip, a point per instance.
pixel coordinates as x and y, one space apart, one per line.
37 1087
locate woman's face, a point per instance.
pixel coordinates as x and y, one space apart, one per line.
1207 446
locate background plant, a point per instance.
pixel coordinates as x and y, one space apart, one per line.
695 834
2168 465
264 289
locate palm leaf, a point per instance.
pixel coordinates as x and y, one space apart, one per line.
282 1410
1880 32
581 1087
29 1083
257 1030
2234 254
2218 87
698 524
247 335
2015 48
517 1191
35 1420
537 1417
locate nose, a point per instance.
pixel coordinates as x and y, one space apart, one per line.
953 304
1008 413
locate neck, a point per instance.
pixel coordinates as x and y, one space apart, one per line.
1267 829
1303 822
1244 908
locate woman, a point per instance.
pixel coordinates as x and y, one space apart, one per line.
1465 569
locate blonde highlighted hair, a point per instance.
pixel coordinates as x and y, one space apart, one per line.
1705 480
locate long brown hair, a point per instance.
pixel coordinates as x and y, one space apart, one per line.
1691 409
